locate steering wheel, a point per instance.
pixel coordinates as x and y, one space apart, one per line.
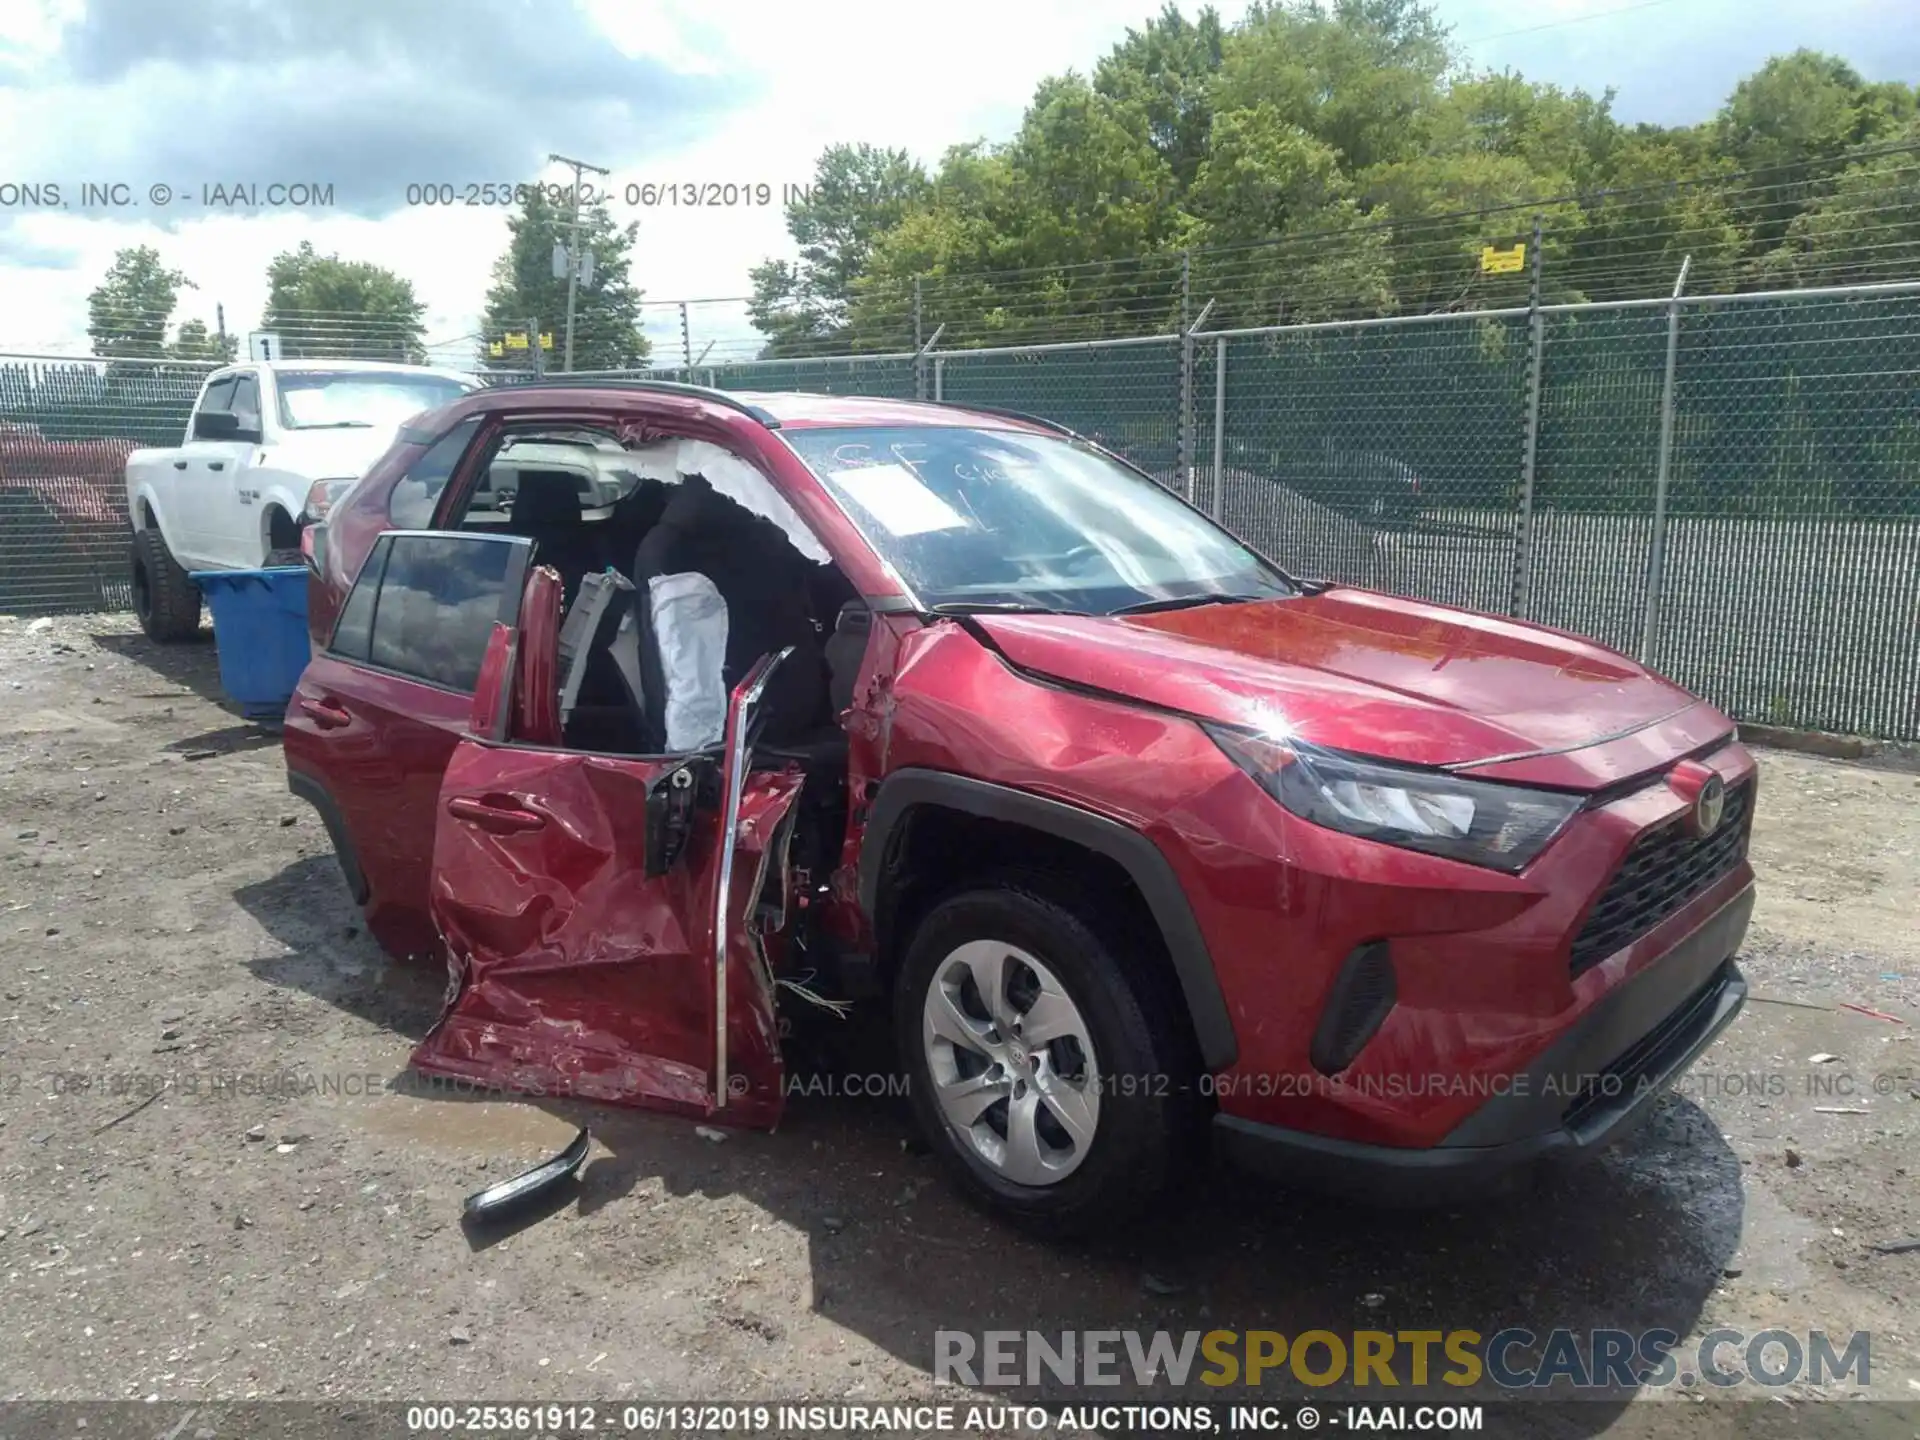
1080 555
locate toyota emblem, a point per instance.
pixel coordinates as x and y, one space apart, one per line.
1709 805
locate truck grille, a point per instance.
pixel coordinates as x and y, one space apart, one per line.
1662 872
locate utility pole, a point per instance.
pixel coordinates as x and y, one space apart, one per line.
573 244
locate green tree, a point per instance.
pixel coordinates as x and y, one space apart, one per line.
858 193
1565 137
1091 185
1865 228
957 243
1267 203
1448 208
128 312
195 342
321 305
1333 157
1165 70
1492 152
1795 108
606 324
1355 74
1790 122
1666 196
1075 200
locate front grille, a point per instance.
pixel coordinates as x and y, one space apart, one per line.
1663 871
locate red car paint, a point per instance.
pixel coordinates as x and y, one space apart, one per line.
579 973
576 975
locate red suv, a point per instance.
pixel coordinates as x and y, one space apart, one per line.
659 712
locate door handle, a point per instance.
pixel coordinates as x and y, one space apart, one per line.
216 464
179 464
327 717
498 814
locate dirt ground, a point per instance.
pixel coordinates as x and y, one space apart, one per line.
169 914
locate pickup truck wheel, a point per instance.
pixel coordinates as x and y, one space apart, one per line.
1047 1065
165 599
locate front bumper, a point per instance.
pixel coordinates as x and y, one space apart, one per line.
1584 1091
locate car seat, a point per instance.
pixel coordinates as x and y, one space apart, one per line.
602 695
546 509
762 580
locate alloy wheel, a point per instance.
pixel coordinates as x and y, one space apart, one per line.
1013 1065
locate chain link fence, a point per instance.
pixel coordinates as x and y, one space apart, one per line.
1124 394
66 429
1727 486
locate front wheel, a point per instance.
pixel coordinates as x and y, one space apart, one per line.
1049 1064
165 598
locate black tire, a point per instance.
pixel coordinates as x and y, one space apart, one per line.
1150 1134
277 558
164 598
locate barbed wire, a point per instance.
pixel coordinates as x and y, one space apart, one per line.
1744 230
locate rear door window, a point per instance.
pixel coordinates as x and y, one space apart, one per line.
418 491
439 597
354 629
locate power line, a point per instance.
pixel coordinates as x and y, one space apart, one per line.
1570 20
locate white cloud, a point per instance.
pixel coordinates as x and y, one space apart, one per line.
780 83
661 92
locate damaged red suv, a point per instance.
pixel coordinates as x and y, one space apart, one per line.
656 712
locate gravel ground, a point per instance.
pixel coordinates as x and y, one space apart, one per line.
169 914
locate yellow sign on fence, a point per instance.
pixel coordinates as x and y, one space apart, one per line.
517 340
1494 261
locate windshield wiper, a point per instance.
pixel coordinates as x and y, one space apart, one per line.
336 425
1184 602
995 607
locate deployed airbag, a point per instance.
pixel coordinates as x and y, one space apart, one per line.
690 628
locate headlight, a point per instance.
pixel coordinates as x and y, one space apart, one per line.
323 495
1500 826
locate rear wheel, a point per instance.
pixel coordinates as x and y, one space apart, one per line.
1048 1065
165 598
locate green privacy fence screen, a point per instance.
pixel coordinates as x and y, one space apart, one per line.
1748 520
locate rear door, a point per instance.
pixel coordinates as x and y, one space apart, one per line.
600 911
375 718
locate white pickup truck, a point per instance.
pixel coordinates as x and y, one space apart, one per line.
262 437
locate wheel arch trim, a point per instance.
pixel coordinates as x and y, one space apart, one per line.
314 791
146 499
907 789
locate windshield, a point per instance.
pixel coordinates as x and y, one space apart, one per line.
339 399
999 518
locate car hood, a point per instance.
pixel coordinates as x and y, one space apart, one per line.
332 454
1379 675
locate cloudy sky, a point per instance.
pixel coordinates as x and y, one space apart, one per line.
372 96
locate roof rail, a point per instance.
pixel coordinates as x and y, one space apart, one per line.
657 387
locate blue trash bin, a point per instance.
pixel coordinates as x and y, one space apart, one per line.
260 630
